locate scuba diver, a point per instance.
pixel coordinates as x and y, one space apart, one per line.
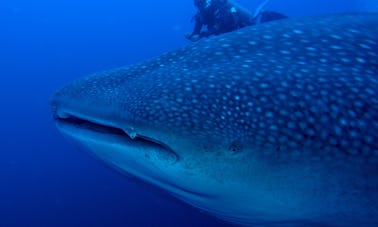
222 16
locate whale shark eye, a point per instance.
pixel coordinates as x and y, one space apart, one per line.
235 147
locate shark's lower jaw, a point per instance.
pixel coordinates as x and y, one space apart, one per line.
140 156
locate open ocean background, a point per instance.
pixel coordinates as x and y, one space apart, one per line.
44 179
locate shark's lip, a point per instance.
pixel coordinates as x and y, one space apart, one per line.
67 119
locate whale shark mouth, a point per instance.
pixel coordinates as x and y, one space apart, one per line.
86 124
74 124
80 123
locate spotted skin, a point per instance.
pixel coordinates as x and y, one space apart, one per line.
287 85
302 88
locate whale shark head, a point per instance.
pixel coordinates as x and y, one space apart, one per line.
270 124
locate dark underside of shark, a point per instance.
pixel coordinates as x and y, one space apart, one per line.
274 124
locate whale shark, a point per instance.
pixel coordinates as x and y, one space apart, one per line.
270 125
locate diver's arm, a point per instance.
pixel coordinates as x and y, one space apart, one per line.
211 30
196 34
197 27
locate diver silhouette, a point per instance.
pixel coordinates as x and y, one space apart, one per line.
222 16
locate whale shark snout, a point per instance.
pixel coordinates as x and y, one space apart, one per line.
275 124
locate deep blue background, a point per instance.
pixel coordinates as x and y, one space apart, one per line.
45 180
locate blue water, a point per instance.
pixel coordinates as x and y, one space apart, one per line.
44 179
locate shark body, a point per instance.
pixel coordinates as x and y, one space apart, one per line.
275 124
